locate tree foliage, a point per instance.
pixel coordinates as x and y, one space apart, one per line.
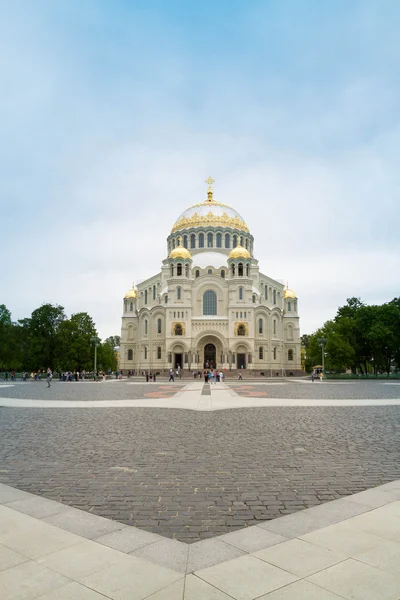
49 339
363 338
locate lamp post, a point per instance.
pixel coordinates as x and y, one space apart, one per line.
322 343
95 341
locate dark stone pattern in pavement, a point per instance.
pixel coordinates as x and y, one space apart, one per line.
327 390
194 475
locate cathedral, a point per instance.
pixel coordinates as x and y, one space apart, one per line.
210 305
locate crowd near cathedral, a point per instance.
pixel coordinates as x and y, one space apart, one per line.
210 306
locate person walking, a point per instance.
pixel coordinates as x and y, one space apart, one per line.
313 375
320 376
171 375
49 377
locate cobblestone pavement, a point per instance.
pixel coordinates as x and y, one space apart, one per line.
193 475
88 390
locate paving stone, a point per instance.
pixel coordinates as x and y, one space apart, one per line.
301 590
29 580
167 553
252 539
198 589
210 552
38 507
128 539
299 557
135 580
10 558
83 523
356 581
385 557
246 578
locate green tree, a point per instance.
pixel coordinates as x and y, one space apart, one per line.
74 346
44 326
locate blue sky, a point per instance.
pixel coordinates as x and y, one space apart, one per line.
114 112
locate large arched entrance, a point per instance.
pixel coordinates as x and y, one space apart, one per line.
210 356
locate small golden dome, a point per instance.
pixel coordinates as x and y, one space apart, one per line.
239 252
180 252
288 293
132 293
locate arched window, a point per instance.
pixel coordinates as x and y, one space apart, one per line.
193 241
185 241
201 240
261 353
289 306
260 325
178 293
240 293
275 353
159 353
233 269
223 274
209 272
240 269
254 298
166 299
131 306
241 330
145 296
290 355
209 303
197 273
290 332
145 327
145 353
241 240
266 292
247 244
179 269
247 269
158 325
209 240
173 243
130 354
274 296
274 326
186 270
172 270
154 292
234 241
178 329
227 240
219 240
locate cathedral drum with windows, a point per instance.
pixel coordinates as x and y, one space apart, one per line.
210 306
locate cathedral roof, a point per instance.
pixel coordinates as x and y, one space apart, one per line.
210 213
288 293
239 252
180 252
132 293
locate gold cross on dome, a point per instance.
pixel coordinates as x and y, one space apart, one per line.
210 181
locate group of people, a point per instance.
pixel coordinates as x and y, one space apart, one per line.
213 376
314 374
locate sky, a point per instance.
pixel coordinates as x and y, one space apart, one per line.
114 112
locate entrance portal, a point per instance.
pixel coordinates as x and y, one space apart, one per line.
210 356
178 360
241 361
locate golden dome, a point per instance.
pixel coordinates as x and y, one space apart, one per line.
132 293
288 293
180 252
210 213
239 252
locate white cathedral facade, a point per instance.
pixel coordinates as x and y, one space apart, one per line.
210 305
